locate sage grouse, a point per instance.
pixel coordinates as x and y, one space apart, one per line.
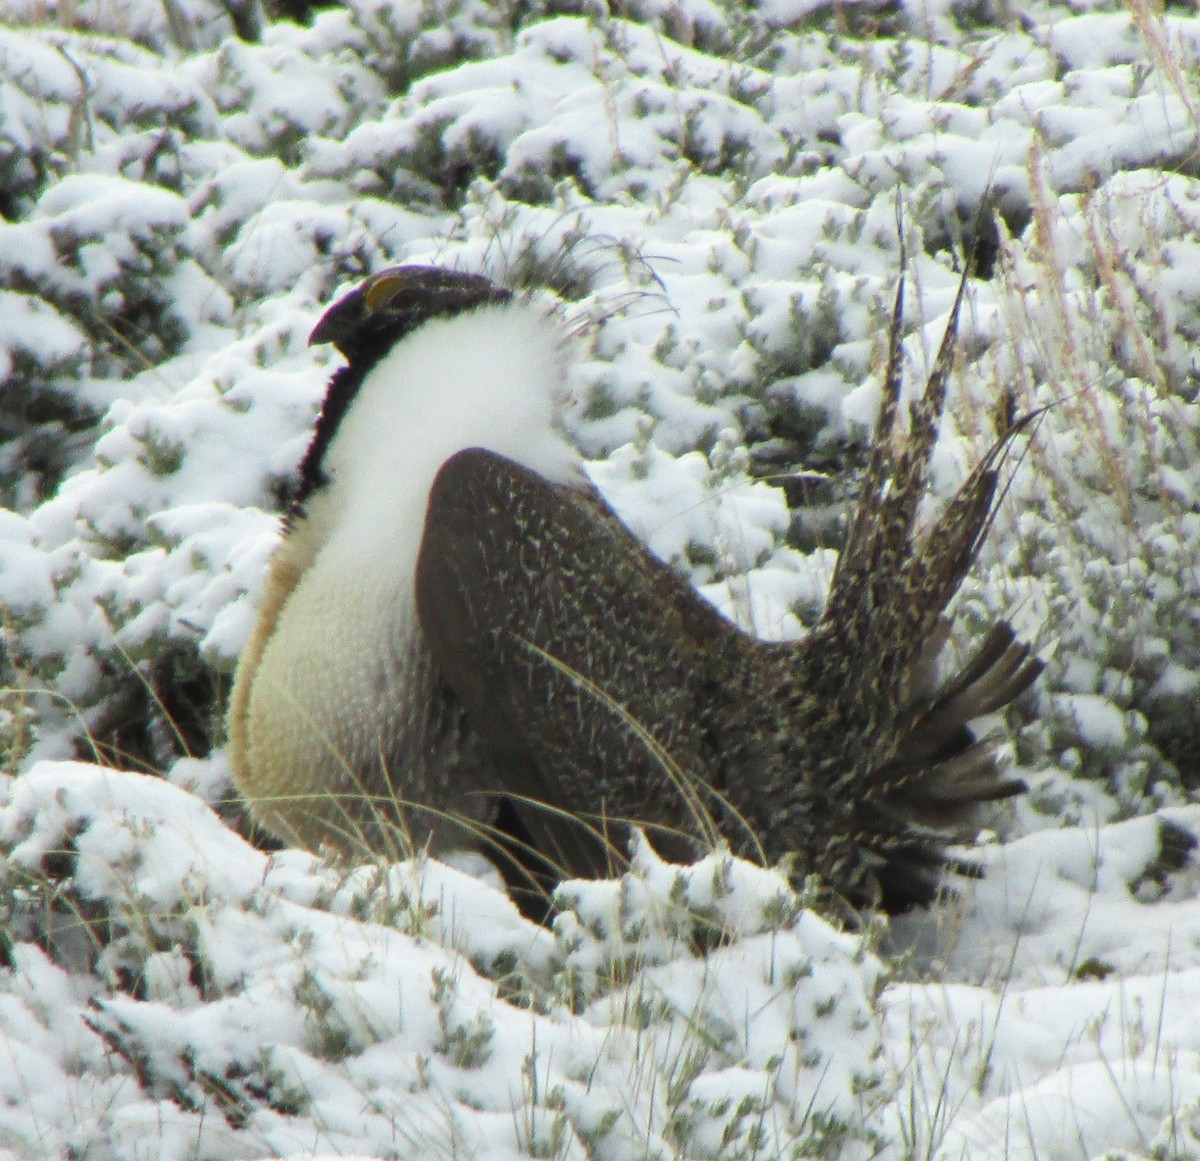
460 641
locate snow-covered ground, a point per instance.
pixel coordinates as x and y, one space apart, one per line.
708 193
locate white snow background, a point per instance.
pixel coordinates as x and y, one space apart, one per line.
707 190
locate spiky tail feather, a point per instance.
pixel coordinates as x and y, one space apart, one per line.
905 774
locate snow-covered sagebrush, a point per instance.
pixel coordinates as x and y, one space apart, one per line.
708 192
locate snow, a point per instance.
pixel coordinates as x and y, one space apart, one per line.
708 196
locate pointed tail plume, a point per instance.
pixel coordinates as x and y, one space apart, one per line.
889 765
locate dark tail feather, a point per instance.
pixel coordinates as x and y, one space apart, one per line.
999 672
951 544
928 796
875 571
861 546
919 786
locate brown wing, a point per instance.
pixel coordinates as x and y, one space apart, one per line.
581 660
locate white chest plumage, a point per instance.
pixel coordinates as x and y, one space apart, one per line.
332 716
